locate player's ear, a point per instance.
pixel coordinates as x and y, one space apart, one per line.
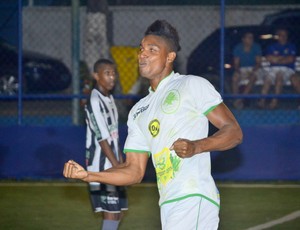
95 76
171 57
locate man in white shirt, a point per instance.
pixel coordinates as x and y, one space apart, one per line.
171 125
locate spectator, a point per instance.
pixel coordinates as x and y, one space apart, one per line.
281 56
247 66
102 144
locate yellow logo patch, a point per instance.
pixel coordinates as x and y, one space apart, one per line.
154 127
166 165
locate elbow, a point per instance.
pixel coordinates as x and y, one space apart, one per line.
239 136
135 180
139 178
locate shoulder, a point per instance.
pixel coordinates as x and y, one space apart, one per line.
95 96
140 104
192 80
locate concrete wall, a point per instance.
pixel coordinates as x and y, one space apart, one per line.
48 29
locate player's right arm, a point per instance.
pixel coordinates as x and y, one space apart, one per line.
130 172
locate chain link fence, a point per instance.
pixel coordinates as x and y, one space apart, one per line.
52 93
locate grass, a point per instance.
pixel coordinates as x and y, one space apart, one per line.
46 206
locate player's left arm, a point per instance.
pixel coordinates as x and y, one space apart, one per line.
229 135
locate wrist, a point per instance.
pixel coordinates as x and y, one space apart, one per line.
85 178
198 146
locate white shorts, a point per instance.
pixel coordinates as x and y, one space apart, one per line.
286 72
189 214
245 73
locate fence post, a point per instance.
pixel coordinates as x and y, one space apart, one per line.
222 40
20 63
75 60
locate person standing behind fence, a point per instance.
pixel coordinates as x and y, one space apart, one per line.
247 66
281 56
102 144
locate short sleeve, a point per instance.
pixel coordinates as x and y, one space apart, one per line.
135 141
206 97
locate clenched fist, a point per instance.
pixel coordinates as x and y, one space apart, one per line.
74 170
184 148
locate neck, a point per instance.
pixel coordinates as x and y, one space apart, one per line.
103 91
155 81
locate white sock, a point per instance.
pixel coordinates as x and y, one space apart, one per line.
110 224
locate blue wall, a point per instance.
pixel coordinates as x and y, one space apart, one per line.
267 153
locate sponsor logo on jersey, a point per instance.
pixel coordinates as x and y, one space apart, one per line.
171 102
139 111
154 127
166 163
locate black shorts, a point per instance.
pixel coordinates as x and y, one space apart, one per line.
106 201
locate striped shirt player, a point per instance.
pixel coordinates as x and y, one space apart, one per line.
102 124
177 109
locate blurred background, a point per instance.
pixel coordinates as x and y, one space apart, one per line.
48 47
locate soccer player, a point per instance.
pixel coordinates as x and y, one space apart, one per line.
102 145
170 124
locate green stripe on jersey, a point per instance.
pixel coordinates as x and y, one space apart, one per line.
210 109
191 195
136 151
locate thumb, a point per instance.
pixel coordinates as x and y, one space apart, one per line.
172 147
73 162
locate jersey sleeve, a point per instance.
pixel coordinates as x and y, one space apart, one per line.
135 141
206 97
97 120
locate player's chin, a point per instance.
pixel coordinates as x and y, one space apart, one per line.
110 87
145 74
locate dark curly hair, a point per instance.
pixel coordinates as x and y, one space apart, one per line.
100 62
164 29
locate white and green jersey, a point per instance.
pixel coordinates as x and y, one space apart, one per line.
177 109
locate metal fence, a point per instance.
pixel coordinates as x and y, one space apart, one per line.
48 49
